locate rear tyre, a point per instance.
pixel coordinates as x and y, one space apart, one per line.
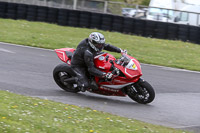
141 92
62 72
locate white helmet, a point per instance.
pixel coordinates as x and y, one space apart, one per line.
96 41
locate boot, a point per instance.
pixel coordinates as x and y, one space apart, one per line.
82 87
93 85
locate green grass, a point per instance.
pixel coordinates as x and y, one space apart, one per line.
147 50
20 114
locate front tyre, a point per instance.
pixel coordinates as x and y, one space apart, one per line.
141 92
62 72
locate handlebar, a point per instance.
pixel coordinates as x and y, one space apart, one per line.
116 70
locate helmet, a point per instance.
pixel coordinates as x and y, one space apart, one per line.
96 41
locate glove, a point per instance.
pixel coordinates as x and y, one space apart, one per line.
108 75
123 51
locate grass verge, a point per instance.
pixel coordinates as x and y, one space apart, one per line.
23 114
146 50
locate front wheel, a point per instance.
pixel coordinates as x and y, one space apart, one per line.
141 92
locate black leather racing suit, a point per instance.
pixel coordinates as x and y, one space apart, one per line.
83 60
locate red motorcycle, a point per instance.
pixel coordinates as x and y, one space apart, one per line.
125 80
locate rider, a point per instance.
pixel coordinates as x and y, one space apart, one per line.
84 55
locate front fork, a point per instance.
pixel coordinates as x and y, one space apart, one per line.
132 88
138 91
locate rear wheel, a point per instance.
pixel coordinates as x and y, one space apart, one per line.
141 92
61 73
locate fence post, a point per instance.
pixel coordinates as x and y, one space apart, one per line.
136 7
197 19
45 3
75 4
167 16
105 6
63 4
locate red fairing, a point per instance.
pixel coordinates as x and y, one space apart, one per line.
130 73
113 87
62 54
102 61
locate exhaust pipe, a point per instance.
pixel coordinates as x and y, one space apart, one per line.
72 80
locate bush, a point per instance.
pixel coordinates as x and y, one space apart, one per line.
145 2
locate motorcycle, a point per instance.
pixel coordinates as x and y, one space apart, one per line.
126 79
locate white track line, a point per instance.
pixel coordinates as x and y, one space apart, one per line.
184 127
25 46
7 51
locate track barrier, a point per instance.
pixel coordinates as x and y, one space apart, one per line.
107 22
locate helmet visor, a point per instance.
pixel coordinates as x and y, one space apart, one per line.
99 45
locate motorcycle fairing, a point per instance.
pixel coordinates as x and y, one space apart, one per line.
117 86
102 62
131 74
132 69
62 55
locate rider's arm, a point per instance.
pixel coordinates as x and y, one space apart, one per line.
112 48
89 60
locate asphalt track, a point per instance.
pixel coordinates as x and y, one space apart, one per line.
28 71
